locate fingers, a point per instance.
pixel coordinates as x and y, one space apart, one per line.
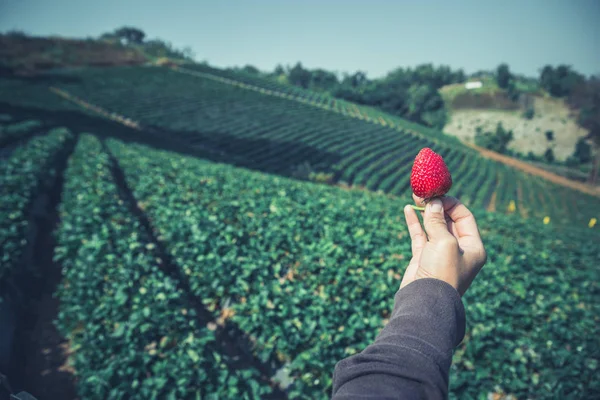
418 241
417 236
464 221
435 221
465 229
418 200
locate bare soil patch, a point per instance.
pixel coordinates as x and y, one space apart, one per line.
529 135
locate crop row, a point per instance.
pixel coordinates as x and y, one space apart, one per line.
133 332
11 132
308 273
307 278
318 99
280 135
22 179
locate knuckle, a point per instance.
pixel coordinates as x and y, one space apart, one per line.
435 224
417 236
448 241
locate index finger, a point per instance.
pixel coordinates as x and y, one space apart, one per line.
464 221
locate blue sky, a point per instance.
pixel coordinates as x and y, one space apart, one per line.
373 36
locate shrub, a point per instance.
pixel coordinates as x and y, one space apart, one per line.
549 136
503 76
496 141
529 113
583 151
571 161
549 155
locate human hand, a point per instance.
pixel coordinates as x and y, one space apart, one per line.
449 248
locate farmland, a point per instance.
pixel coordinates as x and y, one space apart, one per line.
199 260
271 132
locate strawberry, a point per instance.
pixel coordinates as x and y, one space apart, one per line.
430 176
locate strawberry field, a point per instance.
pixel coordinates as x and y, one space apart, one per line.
294 134
195 266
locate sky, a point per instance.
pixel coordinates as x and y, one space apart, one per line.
374 36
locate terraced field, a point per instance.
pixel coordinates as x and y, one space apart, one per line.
189 278
295 133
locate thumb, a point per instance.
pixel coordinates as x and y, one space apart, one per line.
435 222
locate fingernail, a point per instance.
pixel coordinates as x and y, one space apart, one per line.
436 206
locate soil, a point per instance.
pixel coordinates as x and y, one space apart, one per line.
47 373
41 354
533 170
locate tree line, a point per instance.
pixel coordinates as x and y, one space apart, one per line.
135 37
411 93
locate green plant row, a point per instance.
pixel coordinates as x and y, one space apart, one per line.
323 100
11 131
22 178
31 94
309 272
565 215
244 119
133 332
275 134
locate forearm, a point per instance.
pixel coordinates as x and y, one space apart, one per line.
411 357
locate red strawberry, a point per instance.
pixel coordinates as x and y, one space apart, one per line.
430 176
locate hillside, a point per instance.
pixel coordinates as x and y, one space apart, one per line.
177 231
310 136
23 54
489 105
204 278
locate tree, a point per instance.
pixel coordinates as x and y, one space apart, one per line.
529 113
547 77
406 92
583 152
323 80
251 69
503 76
549 155
130 35
586 98
560 81
159 48
355 80
299 76
425 105
496 141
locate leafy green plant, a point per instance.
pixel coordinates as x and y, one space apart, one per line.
549 155
132 331
22 178
496 141
529 113
17 130
316 268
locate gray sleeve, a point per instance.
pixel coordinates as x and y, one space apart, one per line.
411 357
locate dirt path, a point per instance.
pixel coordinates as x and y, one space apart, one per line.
43 352
47 373
530 169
